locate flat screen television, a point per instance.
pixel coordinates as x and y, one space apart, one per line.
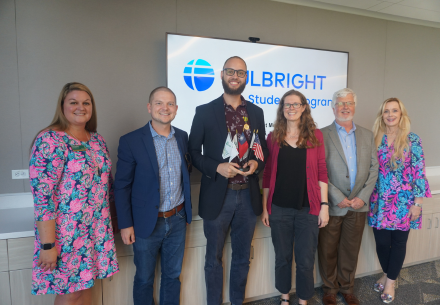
194 64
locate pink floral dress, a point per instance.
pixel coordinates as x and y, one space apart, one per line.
68 187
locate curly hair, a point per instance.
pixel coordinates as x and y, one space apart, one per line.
306 137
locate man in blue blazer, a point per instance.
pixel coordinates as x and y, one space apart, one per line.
153 198
228 196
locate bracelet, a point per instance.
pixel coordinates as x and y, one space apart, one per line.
418 204
324 203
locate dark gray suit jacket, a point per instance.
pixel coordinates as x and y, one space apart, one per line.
338 176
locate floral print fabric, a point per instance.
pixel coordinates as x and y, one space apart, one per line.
66 187
396 189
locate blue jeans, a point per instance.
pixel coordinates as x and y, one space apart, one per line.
168 238
236 212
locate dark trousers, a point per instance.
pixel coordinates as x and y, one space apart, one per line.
168 238
391 250
338 250
294 229
236 212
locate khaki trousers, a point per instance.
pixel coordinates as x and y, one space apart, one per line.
338 249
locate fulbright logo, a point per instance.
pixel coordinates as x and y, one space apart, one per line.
198 75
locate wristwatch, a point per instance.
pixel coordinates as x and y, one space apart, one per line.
324 203
418 204
47 246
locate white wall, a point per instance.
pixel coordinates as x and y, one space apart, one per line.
117 48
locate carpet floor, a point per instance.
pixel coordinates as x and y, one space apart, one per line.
417 285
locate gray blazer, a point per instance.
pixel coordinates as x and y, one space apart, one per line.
339 181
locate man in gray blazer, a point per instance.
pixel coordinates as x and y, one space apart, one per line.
352 166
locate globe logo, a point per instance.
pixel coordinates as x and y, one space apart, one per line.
198 75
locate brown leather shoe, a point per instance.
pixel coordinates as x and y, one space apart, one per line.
329 299
350 299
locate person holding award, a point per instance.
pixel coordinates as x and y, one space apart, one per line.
229 192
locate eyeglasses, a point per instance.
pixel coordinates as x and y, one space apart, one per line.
294 105
231 72
348 104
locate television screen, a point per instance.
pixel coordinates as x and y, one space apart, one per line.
194 65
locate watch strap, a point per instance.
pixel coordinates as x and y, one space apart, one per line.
47 246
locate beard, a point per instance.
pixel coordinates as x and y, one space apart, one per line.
347 119
230 91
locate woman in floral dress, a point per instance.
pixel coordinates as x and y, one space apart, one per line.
71 182
396 202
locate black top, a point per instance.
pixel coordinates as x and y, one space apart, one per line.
291 184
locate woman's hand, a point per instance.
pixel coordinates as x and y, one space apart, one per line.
265 218
323 216
48 259
414 212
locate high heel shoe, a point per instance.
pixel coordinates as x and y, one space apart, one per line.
284 300
378 287
388 298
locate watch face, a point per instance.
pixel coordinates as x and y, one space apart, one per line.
46 246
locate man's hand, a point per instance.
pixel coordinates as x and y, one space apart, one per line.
344 203
253 165
127 235
48 259
357 203
228 170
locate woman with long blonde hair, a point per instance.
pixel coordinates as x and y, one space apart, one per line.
295 188
396 202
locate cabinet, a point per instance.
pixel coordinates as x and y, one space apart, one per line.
5 293
119 288
193 289
3 256
435 236
418 246
367 260
261 277
20 281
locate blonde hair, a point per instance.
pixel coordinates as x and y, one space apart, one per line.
59 121
401 143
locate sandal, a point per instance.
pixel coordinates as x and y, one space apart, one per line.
284 300
378 287
388 298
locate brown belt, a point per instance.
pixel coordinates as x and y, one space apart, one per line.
238 186
171 212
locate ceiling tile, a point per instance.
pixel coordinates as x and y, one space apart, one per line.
432 5
361 4
412 12
380 6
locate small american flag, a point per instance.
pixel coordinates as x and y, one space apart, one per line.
257 148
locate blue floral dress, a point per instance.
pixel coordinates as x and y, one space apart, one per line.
396 189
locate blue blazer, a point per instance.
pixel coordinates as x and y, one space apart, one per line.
137 189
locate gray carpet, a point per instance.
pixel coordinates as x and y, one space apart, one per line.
417 285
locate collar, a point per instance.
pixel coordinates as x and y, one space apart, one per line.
243 102
340 128
155 134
